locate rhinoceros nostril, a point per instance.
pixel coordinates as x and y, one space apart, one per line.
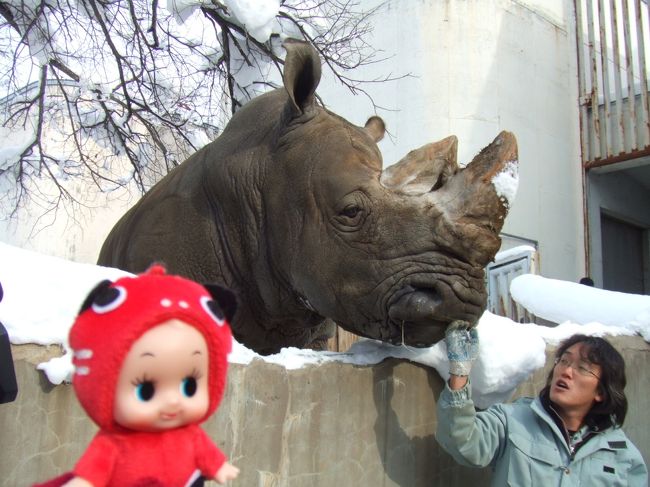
416 305
422 299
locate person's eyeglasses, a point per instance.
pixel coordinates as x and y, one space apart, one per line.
581 367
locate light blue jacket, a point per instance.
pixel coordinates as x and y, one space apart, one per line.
525 447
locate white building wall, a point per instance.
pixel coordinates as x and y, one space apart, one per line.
75 232
476 67
75 228
479 67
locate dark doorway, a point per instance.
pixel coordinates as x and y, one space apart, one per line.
623 245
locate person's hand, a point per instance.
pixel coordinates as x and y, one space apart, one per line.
462 347
226 472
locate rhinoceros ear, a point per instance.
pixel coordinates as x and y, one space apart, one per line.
425 169
301 74
376 128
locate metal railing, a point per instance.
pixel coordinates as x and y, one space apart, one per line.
499 274
613 38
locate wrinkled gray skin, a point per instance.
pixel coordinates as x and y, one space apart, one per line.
289 207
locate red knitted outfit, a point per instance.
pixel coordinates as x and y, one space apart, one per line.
169 458
101 337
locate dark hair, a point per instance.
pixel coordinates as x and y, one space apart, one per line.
587 281
613 408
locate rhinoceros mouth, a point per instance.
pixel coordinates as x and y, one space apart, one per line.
418 315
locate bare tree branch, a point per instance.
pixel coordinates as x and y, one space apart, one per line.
117 92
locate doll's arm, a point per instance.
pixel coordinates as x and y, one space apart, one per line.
226 472
212 460
77 482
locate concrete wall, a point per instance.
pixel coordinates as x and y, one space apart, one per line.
319 426
479 67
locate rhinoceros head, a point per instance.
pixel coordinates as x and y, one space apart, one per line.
289 206
394 255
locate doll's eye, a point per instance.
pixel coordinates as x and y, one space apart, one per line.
109 299
145 390
188 386
213 309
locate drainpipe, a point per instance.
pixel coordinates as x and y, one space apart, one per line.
582 112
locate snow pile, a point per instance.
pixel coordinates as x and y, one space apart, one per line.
562 301
257 16
14 143
43 294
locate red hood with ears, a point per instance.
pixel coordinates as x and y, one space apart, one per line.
115 315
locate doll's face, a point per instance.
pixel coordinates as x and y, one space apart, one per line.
163 383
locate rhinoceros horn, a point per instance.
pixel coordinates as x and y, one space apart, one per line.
468 207
470 203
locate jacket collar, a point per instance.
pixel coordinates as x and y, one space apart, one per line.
589 439
552 419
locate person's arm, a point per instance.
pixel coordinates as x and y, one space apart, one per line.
472 439
637 476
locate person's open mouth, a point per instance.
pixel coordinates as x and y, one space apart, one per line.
560 384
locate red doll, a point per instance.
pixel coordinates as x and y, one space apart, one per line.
150 356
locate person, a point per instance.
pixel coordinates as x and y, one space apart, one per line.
150 357
8 384
569 435
587 281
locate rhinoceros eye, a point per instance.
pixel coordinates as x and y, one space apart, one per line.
351 211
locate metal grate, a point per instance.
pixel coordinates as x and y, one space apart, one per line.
512 263
613 62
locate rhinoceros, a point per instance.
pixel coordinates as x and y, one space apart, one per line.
289 207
